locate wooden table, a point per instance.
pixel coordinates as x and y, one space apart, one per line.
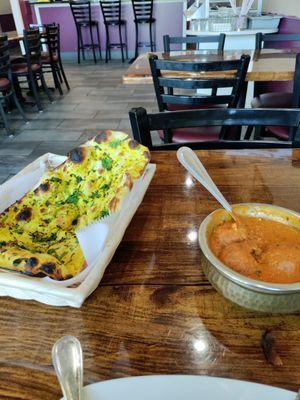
266 65
13 35
155 312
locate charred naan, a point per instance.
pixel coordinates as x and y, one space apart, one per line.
37 233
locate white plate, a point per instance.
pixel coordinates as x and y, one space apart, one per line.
183 387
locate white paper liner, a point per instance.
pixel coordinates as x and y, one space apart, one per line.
60 293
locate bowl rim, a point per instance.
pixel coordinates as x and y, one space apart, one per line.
239 279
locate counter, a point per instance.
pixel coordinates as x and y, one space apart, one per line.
59 12
235 40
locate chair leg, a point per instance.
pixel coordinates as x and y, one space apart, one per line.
33 86
136 40
99 42
82 46
78 47
18 105
258 132
248 132
126 41
5 121
150 33
63 73
107 43
58 73
93 45
45 87
121 43
56 79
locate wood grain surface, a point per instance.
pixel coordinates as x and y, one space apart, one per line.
265 65
154 311
13 35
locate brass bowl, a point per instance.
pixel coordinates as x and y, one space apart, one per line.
247 292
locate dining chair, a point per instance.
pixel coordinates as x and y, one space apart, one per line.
31 67
143 14
82 15
277 41
7 91
279 100
195 40
284 41
51 59
143 124
111 11
176 89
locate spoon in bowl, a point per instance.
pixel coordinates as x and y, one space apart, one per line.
68 364
188 158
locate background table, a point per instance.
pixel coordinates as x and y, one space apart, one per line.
265 65
13 35
155 312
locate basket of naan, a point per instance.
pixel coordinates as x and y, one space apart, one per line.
51 200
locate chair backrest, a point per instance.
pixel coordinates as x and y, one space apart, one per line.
4 57
197 40
53 40
143 124
81 10
142 9
33 46
278 40
186 76
111 10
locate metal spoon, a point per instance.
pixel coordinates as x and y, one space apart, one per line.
68 364
188 158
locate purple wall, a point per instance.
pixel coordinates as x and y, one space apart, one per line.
168 21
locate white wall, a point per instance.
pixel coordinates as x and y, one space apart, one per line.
5 7
286 7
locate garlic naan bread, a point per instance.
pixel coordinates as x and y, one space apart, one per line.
37 233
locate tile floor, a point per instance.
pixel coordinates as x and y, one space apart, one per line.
97 100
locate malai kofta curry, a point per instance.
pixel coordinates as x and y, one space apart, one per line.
259 248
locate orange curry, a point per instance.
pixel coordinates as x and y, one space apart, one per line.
259 248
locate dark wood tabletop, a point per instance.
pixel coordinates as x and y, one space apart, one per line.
154 311
265 65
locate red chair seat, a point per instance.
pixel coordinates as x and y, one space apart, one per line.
178 107
46 57
273 100
201 134
23 69
4 83
281 132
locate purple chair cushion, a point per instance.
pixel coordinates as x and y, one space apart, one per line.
273 100
287 25
281 132
201 134
178 107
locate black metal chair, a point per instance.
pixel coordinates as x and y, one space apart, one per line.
143 14
278 40
143 124
278 100
111 11
281 89
194 40
51 59
6 85
31 68
169 100
82 14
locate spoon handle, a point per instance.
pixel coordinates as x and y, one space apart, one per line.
68 365
188 158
